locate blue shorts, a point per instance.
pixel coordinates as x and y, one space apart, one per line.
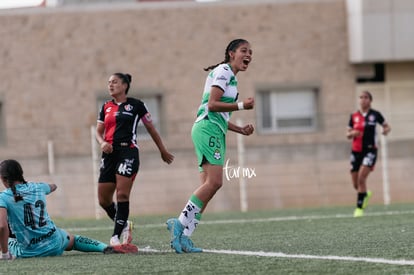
51 246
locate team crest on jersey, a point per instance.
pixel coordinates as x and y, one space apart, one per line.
217 154
356 119
371 118
109 109
128 107
233 81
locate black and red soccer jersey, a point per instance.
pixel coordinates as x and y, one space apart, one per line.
121 120
366 125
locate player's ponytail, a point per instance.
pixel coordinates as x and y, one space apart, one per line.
11 171
231 47
17 197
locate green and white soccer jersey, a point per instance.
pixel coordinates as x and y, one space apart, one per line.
222 76
209 135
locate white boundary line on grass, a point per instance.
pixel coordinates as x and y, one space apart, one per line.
280 254
311 217
274 219
294 256
401 262
313 257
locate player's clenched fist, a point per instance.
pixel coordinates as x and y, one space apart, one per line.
248 103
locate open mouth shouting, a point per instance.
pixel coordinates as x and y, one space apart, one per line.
246 61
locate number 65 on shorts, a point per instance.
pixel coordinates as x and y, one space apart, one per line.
209 142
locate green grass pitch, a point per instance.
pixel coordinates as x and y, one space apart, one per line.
294 241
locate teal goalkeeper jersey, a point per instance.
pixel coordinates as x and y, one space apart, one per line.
223 77
29 219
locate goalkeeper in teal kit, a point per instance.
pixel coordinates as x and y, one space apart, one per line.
26 229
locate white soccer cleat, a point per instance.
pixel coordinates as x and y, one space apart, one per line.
126 234
114 241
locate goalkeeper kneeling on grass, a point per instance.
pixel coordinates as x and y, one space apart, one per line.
26 229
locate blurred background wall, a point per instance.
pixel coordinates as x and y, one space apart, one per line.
311 58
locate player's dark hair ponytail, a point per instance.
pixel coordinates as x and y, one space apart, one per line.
126 78
231 47
11 171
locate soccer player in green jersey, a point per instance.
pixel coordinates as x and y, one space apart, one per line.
209 131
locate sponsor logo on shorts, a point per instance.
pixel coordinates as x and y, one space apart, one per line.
41 238
126 167
217 154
